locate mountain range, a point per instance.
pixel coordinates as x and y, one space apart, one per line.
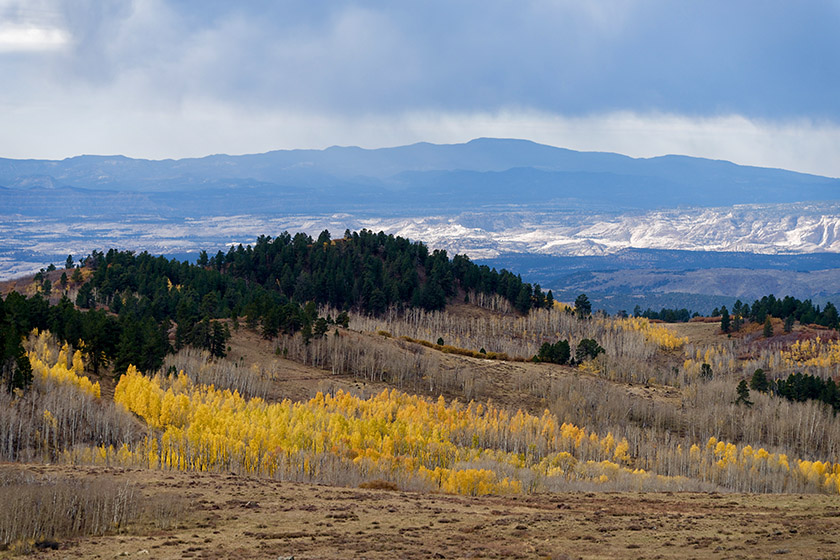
500 200
481 173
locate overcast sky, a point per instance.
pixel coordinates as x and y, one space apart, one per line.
755 82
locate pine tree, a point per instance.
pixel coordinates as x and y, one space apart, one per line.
15 367
759 381
743 394
557 353
724 320
587 348
768 327
320 327
583 308
788 323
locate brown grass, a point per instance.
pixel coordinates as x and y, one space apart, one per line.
379 484
239 517
449 349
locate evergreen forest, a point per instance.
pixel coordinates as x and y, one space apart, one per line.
127 303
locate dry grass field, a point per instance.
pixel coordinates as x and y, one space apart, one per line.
203 515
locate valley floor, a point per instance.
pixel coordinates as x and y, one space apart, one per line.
228 516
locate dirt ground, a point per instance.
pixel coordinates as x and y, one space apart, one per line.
700 334
291 380
228 516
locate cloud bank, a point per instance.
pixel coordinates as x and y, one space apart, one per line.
753 82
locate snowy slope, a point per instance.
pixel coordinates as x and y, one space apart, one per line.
769 229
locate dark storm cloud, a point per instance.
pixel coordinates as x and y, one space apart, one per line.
764 59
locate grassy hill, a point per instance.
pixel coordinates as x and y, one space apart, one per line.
420 405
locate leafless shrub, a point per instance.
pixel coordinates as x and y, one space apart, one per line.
627 358
41 509
164 511
201 367
493 302
406 365
52 417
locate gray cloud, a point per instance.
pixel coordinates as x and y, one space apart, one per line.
759 59
156 64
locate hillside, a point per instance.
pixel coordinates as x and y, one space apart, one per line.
477 396
136 303
175 514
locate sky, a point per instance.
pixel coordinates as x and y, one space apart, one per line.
756 82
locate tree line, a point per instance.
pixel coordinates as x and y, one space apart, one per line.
796 387
665 314
788 309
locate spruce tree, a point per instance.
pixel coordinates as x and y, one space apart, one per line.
583 308
725 325
743 394
759 382
788 323
768 327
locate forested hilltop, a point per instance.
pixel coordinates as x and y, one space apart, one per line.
132 301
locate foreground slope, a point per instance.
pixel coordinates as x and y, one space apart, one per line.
215 516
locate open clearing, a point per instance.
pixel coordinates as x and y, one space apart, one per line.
499 380
229 516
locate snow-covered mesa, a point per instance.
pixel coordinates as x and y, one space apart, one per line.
27 244
769 229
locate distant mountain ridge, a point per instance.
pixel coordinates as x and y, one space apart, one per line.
590 215
473 175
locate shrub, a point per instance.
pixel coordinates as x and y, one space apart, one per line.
379 484
41 510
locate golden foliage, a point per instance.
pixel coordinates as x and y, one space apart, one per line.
401 439
393 435
721 462
47 364
812 352
561 306
654 333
